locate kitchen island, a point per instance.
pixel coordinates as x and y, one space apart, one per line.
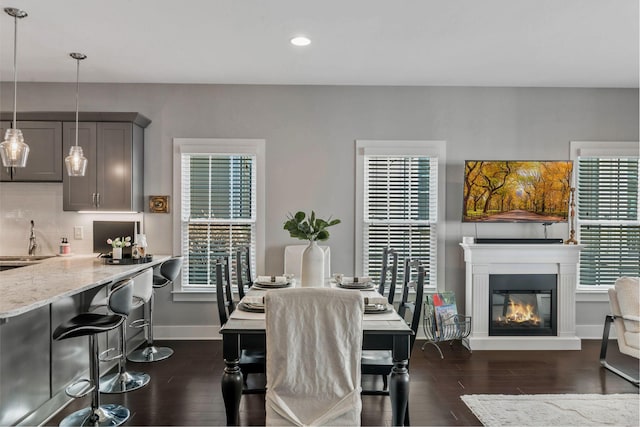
34 300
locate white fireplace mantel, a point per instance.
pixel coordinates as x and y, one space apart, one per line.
483 260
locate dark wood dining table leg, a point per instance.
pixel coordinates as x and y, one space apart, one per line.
399 380
231 378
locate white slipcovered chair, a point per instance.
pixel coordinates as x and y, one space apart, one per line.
314 345
293 260
624 299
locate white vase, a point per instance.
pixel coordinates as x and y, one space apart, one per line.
117 253
312 266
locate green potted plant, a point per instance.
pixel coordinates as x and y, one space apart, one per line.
314 229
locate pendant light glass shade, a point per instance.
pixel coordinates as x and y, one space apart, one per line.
13 150
76 162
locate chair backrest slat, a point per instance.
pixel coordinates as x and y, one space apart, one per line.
414 274
243 269
389 265
224 295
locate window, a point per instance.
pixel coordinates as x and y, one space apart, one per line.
398 205
220 205
607 218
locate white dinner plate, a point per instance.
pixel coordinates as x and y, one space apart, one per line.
270 285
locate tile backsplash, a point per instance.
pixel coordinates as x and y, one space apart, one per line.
42 202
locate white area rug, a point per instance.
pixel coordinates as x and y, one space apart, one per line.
555 409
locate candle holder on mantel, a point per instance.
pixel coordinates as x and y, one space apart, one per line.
572 233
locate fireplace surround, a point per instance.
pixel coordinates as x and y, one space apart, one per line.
556 261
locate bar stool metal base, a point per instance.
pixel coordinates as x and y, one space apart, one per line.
109 415
123 382
150 354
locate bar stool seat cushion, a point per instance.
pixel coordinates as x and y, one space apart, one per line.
87 324
159 281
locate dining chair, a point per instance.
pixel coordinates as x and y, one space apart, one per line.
243 269
251 361
314 344
389 266
293 260
380 362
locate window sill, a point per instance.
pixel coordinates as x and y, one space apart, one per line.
196 295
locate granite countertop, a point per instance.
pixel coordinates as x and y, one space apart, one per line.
27 288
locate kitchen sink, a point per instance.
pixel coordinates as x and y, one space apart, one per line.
25 258
8 262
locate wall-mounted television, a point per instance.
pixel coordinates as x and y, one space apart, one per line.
516 191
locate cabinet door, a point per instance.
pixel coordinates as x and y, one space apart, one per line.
44 163
80 191
115 158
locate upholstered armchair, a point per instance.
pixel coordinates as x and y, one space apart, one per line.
624 299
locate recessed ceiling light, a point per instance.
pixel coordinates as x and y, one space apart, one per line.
300 41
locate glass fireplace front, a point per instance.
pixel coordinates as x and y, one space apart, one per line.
522 304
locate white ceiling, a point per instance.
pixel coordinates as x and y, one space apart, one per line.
575 43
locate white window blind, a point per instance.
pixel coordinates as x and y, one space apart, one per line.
400 211
607 218
218 212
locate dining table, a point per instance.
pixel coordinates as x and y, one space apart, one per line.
384 330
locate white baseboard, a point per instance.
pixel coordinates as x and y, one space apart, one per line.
594 332
210 332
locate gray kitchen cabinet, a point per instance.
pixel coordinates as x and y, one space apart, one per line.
25 362
45 162
114 177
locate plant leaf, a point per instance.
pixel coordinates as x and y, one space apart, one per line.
322 235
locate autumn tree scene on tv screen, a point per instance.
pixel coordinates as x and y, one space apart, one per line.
516 191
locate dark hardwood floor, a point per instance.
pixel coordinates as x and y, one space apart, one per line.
185 389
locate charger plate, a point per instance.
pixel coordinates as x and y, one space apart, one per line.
270 285
376 308
252 308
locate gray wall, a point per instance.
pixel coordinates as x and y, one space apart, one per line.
310 156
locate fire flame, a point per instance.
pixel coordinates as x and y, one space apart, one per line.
521 313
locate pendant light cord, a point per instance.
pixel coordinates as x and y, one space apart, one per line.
77 96
15 69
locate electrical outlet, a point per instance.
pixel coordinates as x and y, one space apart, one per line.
78 232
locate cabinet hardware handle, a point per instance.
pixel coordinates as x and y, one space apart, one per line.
98 199
93 199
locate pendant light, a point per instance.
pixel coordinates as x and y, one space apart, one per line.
76 162
13 149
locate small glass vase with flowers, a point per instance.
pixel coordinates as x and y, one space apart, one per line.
117 244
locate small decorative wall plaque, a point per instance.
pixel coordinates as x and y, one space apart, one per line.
159 204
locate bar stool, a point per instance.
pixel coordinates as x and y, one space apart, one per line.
91 324
167 273
123 381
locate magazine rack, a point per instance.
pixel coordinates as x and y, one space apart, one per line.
442 323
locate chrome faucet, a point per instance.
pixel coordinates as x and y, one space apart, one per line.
32 241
